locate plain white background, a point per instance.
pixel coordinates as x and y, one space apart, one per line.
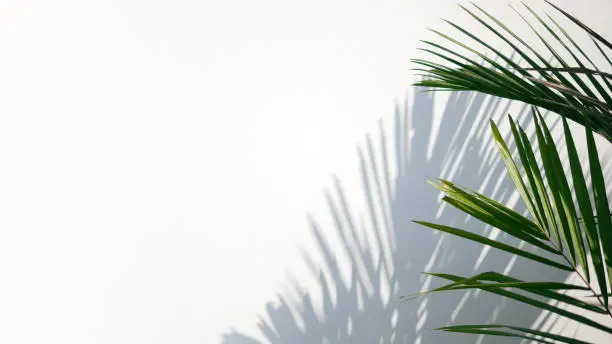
159 158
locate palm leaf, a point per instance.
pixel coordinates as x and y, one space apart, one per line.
498 245
591 32
586 210
552 225
546 289
579 70
525 333
475 284
567 88
601 202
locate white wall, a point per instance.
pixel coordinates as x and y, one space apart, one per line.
160 160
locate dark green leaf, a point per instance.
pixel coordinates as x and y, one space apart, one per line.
563 339
601 204
498 245
530 301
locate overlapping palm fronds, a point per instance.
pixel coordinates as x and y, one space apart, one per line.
576 88
568 233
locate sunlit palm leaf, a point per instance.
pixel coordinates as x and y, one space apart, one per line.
603 214
495 244
552 225
565 87
546 289
511 331
472 283
584 203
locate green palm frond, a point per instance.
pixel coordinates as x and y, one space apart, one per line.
576 87
511 331
560 221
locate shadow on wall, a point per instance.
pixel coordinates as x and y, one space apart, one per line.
387 253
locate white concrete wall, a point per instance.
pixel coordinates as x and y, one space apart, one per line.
163 163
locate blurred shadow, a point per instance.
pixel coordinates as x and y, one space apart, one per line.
387 253
237 338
